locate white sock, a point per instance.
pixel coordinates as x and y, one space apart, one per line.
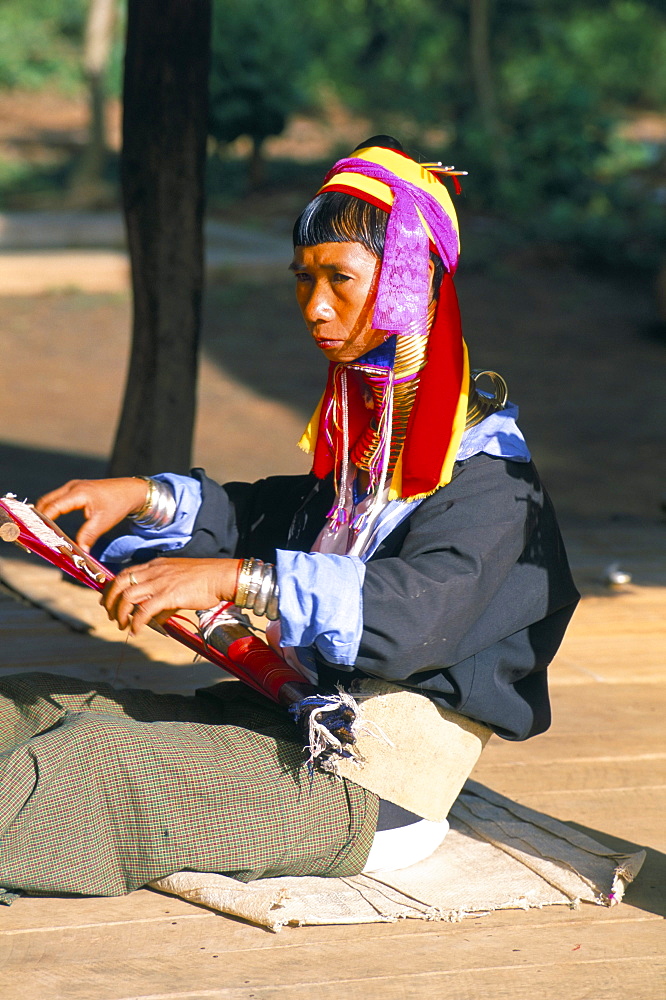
405 845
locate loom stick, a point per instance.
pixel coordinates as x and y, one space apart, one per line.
328 722
9 529
66 555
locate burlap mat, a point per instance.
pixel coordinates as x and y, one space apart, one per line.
497 855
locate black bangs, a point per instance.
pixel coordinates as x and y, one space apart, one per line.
336 217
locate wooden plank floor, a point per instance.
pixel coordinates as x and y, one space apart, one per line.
601 767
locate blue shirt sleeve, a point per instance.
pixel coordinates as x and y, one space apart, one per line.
321 603
187 493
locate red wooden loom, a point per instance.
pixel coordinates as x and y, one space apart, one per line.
230 646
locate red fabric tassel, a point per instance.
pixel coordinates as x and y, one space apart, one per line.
431 421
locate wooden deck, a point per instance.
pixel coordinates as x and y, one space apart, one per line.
602 768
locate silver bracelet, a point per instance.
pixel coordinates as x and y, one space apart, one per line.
257 588
265 590
159 508
272 610
256 576
243 582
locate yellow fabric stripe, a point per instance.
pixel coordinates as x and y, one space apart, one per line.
308 438
405 168
459 422
395 488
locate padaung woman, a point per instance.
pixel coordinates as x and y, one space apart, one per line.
421 550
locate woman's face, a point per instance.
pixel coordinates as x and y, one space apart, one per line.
336 286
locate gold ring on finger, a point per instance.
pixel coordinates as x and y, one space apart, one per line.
133 580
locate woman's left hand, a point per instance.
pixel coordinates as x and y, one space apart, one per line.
163 586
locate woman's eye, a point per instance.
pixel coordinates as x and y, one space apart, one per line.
341 277
301 277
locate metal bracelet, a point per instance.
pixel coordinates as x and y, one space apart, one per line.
257 588
256 577
147 503
265 590
244 578
272 610
159 508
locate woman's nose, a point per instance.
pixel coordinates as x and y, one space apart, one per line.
318 305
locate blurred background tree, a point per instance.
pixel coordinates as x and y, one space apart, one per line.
67 48
88 179
165 95
40 43
531 96
257 60
538 99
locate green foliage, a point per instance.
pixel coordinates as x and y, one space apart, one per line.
257 59
386 58
622 48
40 42
544 150
562 96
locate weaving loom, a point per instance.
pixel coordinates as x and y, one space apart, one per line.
329 723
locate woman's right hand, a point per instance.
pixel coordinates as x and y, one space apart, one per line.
104 502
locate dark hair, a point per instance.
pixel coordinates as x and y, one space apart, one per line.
337 217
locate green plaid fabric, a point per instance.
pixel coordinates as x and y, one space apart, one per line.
103 790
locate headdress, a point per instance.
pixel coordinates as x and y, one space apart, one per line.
426 351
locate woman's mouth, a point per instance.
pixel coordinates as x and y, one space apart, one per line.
325 344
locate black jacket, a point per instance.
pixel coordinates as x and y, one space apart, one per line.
467 600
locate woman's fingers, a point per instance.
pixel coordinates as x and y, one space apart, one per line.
121 596
110 600
144 612
147 591
139 594
63 500
104 502
79 494
92 528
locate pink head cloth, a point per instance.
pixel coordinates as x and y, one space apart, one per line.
404 283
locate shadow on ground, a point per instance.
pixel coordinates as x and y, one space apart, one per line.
255 332
30 472
648 892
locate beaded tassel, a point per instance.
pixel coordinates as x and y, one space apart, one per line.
338 515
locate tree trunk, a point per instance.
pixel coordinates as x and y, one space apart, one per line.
88 180
484 86
162 174
256 168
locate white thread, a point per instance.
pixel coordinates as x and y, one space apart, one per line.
339 517
224 613
379 499
33 522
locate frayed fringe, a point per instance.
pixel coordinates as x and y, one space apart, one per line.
332 724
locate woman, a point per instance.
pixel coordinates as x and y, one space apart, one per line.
421 549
